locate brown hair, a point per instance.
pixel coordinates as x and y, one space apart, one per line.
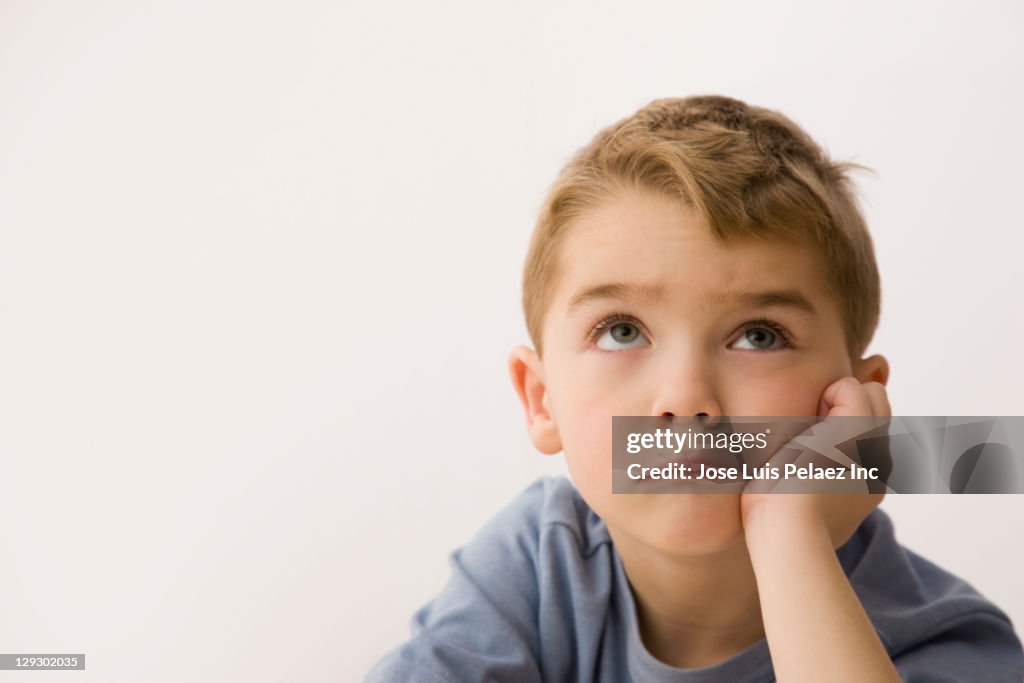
746 172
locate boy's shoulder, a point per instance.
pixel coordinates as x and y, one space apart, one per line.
526 600
551 506
915 605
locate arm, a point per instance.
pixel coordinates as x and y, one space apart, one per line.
813 620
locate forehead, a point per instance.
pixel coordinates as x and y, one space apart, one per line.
655 249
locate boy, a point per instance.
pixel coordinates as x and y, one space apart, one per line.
701 258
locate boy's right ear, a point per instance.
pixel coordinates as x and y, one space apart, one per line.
527 374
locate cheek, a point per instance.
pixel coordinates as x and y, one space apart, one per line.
586 434
583 407
584 397
794 392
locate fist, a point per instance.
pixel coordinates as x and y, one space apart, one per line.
840 511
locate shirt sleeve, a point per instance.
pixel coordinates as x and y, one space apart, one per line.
483 624
982 648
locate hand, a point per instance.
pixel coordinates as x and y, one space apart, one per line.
840 512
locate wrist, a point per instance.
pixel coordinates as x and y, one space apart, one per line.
771 525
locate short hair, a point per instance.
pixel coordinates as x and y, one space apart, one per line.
746 171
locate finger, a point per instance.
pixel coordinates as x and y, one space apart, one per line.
878 398
847 396
850 403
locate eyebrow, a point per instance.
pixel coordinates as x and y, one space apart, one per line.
652 293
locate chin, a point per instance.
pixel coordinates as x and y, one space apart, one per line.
686 525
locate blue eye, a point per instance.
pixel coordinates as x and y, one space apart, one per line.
618 333
763 335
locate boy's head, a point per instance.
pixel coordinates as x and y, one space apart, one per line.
700 257
746 172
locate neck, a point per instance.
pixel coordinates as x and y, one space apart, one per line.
693 611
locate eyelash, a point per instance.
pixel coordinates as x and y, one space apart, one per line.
610 321
773 326
616 318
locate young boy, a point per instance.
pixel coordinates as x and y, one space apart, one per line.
701 258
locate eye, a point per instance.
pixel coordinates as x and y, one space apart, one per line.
617 333
763 335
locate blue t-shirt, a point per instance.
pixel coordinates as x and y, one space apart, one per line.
540 594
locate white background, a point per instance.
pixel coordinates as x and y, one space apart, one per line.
260 273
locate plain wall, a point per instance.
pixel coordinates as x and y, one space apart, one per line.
260 269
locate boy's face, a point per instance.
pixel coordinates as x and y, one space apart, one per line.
653 316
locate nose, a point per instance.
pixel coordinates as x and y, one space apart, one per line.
686 387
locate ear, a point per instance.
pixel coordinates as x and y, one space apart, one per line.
872 369
527 374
